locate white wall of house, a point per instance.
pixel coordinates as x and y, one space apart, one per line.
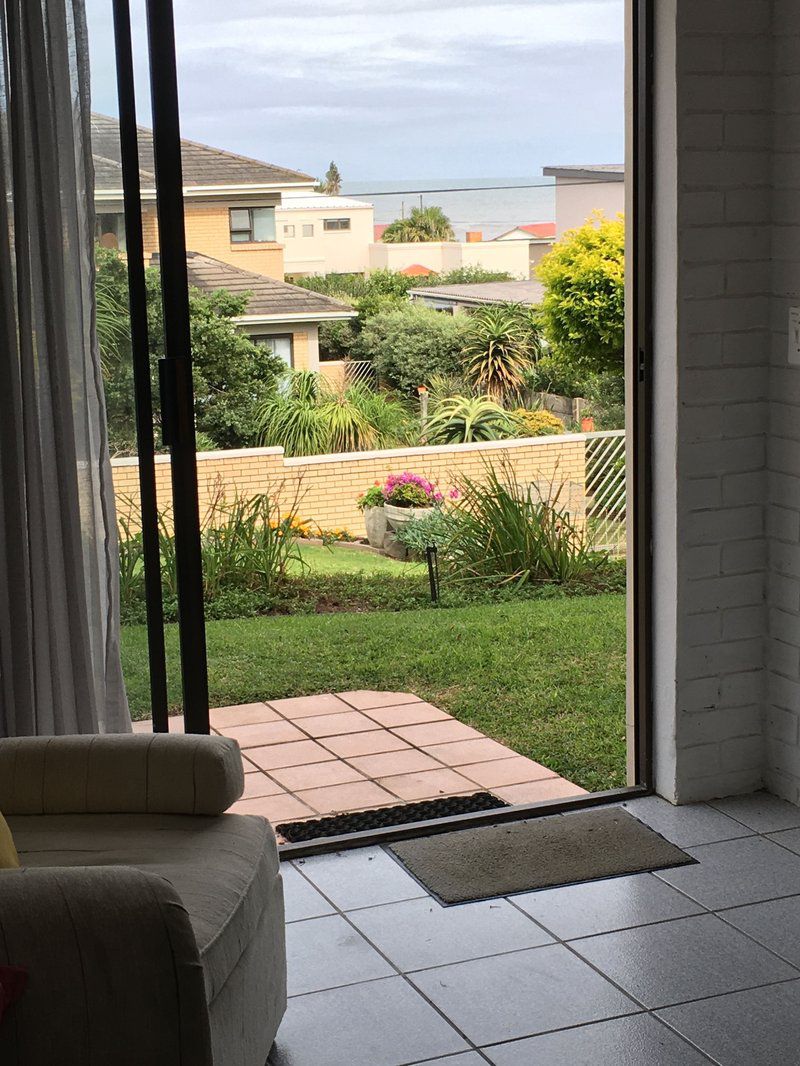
311 248
444 256
576 200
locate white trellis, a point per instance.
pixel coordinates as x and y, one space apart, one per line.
606 491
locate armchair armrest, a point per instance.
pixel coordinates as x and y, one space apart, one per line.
114 971
161 773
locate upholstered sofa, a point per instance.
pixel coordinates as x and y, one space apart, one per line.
150 923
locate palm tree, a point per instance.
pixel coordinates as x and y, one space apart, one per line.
501 345
423 224
331 184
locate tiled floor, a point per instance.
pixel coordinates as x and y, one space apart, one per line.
318 755
694 965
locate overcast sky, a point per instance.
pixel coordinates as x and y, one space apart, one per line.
392 89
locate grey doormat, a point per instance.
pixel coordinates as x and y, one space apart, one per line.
498 860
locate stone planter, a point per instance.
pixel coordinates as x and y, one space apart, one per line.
400 516
376 524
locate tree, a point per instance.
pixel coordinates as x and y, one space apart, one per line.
232 376
583 310
502 344
411 345
331 184
423 224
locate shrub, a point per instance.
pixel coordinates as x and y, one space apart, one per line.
606 396
502 343
409 346
508 533
435 528
538 423
463 419
373 497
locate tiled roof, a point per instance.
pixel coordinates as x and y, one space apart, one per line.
202 164
521 292
268 296
417 270
540 230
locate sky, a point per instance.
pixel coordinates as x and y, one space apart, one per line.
390 89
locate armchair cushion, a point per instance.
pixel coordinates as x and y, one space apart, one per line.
127 773
9 860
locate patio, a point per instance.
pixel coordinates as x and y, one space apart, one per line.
311 756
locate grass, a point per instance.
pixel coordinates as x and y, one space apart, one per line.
338 560
546 677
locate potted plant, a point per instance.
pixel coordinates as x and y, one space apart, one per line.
408 496
370 503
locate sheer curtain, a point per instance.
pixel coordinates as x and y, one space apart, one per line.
59 613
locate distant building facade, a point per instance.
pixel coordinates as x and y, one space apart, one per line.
539 237
324 234
580 190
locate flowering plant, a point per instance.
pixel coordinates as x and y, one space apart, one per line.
373 497
411 490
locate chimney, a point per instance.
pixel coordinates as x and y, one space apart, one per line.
474 236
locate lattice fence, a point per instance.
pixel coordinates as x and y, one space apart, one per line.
606 492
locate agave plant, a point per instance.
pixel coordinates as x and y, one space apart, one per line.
501 345
463 419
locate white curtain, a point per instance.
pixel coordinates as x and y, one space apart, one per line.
59 612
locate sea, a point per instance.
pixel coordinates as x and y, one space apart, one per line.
491 205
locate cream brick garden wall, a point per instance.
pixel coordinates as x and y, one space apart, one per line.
330 484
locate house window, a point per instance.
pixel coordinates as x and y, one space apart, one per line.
308 230
250 224
336 223
109 230
279 344
288 231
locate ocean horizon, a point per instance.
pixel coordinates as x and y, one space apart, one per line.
491 205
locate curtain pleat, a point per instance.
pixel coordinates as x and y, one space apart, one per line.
60 666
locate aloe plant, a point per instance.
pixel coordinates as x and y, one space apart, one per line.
463 419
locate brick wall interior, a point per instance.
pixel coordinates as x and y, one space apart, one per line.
330 485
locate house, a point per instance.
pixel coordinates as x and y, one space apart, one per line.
459 299
324 234
540 237
440 257
580 190
230 200
282 317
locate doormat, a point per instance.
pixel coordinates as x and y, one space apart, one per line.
563 849
385 817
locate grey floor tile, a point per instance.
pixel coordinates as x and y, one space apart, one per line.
420 933
639 1040
687 825
760 811
498 999
300 898
735 872
756 1028
787 838
775 924
682 960
601 906
381 1023
365 877
327 952
470 1058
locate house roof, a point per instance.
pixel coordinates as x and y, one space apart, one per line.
378 230
417 270
270 300
203 166
539 230
591 171
490 292
303 200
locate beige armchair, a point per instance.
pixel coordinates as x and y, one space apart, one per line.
151 923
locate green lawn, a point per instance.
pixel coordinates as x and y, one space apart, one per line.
337 560
546 677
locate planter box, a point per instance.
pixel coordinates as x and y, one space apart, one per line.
376 525
400 516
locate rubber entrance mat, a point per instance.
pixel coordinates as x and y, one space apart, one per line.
384 817
498 860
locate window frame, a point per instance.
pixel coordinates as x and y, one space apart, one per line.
333 225
262 338
251 238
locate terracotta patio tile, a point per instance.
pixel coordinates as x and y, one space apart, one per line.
468 751
406 714
356 796
259 784
329 725
429 784
295 753
242 714
283 808
252 736
317 775
146 726
537 791
409 761
308 706
437 733
364 743
366 699
514 771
